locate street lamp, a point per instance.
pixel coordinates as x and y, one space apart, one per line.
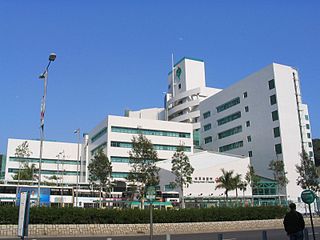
43 76
78 162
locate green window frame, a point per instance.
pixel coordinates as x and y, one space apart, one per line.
229 118
206 114
276 132
278 148
228 104
230 132
120 159
208 140
99 134
306 117
271 84
307 126
273 99
155 146
150 132
275 115
207 127
308 135
44 160
231 146
119 174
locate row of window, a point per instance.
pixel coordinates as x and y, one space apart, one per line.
203 179
101 146
99 134
47 172
229 132
231 146
44 160
150 132
119 174
228 104
155 146
229 118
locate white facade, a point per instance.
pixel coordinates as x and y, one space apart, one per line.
207 168
149 113
186 89
115 133
259 117
58 158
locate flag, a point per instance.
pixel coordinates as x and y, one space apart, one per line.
42 111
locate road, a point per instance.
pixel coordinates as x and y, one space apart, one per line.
276 234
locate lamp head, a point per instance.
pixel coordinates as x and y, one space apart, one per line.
52 57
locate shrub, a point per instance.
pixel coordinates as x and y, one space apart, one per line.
9 215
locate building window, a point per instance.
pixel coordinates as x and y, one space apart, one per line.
207 127
208 140
230 132
250 153
276 132
271 84
228 104
249 138
99 134
306 117
278 148
179 85
310 154
310 144
307 126
273 99
229 118
248 123
206 114
245 95
231 146
246 108
169 86
308 135
195 178
275 115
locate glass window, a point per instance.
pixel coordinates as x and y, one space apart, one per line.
248 123
231 146
245 94
208 140
306 117
309 144
99 134
246 108
250 153
228 104
310 154
271 84
206 114
275 115
276 132
230 132
273 99
207 127
308 135
229 118
179 85
307 126
249 138
278 148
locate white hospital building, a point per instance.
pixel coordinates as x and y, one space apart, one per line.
256 120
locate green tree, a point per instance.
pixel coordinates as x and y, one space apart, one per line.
316 150
279 174
226 181
308 178
100 170
25 172
237 183
252 179
144 171
182 169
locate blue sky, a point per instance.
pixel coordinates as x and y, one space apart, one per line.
115 55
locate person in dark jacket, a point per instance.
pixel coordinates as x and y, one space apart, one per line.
293 223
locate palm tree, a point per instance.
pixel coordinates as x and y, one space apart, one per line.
237 183
226 181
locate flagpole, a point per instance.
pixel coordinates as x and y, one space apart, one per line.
43 76
172 75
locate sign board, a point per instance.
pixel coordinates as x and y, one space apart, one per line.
23 220
151 193
307 196
44 195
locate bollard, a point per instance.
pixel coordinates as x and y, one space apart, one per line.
220 236
306 234
264 235
168 237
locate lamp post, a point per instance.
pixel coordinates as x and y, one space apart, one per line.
43 76
78 162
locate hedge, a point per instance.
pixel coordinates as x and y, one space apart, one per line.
9 215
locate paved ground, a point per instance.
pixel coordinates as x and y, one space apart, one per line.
245 235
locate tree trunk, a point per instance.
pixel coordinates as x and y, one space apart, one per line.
183 205
100 203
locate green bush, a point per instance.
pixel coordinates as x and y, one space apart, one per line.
9 215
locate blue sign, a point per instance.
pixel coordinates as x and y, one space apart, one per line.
44 195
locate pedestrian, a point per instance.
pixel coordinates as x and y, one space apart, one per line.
293 223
